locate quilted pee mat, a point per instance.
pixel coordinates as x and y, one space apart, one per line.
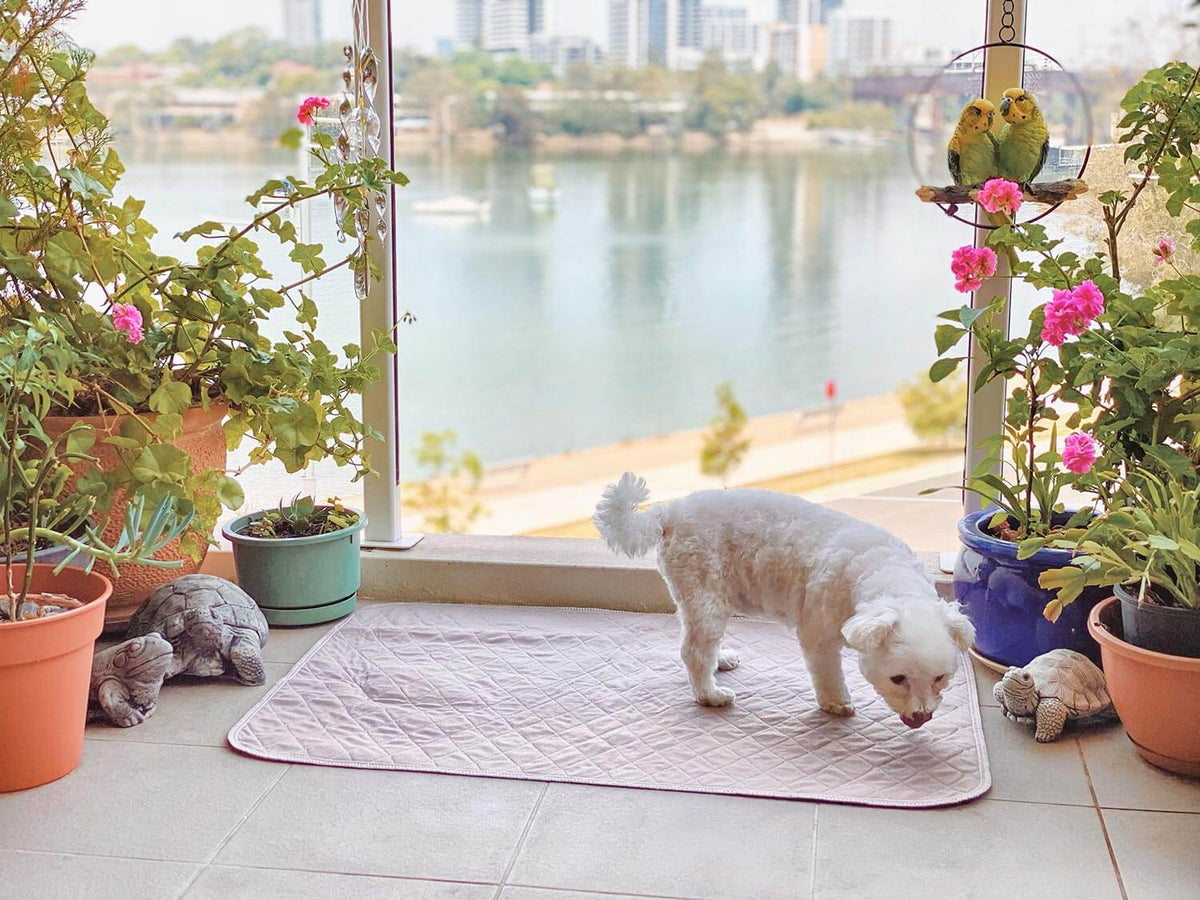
599 697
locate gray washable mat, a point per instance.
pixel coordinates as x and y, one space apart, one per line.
598 697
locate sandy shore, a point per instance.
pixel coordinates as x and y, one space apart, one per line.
538 494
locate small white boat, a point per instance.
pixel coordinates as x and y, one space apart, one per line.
453 206
540 196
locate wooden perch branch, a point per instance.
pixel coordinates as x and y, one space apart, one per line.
1049 192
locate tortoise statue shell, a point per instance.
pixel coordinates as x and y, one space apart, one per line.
1051 689
212 624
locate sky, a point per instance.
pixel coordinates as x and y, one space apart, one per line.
1076 31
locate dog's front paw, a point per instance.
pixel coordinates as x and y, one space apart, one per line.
716 697
838 708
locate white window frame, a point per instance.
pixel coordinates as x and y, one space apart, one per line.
1003 67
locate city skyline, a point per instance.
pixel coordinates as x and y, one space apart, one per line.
1078 32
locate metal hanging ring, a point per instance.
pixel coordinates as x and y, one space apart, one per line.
951 210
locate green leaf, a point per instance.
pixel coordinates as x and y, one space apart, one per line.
83 184
171 397
291 138
1030 546
229 492
944 367
946 336
8 210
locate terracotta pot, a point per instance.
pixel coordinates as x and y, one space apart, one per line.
203 440
45 671
1156 695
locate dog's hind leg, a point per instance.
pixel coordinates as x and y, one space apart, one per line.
700 651
824 663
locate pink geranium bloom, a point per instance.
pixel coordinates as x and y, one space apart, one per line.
970 265
999 195
1088 300
128 318
1071 312
305 115
1079 453
1164 252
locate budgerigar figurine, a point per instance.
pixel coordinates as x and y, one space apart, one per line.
1024 141
972 152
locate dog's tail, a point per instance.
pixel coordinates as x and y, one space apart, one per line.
624 527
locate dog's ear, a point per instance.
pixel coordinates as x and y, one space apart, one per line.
960 626
870 628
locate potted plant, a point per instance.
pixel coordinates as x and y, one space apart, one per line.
299 562
1148 551
51 615
171 359
1115 363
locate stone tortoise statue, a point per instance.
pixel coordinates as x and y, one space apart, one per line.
1051 689
126 679
212 624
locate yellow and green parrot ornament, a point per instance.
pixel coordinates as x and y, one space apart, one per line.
1024 142
973 154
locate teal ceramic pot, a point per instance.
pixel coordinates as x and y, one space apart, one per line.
299 581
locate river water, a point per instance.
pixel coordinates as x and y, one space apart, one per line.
655 276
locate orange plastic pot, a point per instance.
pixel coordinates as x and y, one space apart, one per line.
1156 695
45 672
203 439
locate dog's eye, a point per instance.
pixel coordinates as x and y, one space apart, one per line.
939 678
898 679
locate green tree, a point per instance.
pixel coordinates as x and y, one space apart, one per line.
724 446
935 411
447 499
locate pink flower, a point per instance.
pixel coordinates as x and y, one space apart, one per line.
999 195
1164 252
970 266
308 109
1088 300
1071 312
1079 453
128 318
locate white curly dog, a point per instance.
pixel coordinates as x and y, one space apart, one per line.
833 578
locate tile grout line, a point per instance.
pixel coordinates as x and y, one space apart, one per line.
234 830
812 875
1112 856
512 860
592 892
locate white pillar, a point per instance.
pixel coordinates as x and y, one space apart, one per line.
381 492
1003 67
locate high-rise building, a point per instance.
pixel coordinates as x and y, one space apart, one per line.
302 23
468 25
538 23
858 43
691 26
560 52
643 32
728 31
506 27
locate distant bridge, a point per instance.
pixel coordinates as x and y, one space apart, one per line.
894 88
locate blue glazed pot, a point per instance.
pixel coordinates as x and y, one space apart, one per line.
1001 595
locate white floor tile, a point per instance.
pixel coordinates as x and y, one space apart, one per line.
983 850
154 801
386 823
667 843
25 875
237 883
1157 852
1124 780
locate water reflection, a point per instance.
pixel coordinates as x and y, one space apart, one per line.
654 277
